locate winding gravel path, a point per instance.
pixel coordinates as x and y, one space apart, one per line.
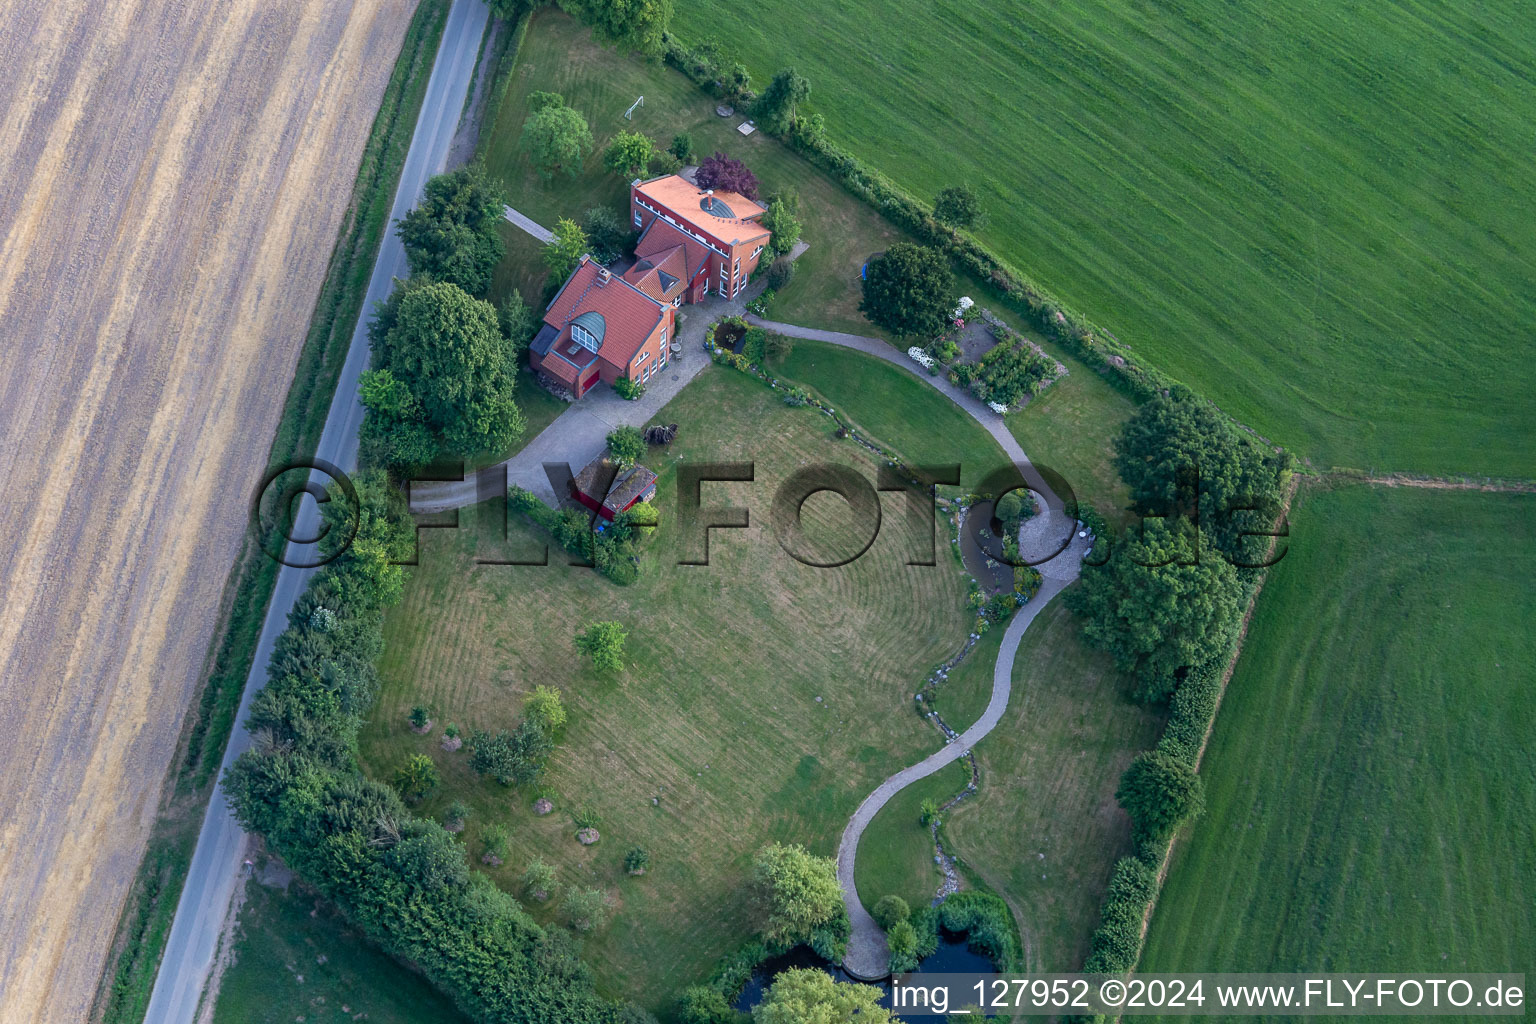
867 955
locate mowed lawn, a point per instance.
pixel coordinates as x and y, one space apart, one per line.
296 958
1371 781
1044 830
762 698
1317 214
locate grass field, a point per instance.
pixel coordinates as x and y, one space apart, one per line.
896 851
1044 830
712 742
1312 213
295 959
1371 781
1071 428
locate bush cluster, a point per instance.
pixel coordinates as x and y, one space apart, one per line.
611 552
1007 374
403 880
985 922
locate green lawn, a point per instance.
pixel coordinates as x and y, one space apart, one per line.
896 851
712 742
1371 781
1071 428
1316 214
295 959
559 55
891 405
1044 830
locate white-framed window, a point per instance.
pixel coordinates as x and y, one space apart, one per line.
725 272
754 251
663 339
581 336
637 218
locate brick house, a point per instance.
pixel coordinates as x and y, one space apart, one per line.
603 326
707 240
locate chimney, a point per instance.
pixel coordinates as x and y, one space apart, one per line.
602 276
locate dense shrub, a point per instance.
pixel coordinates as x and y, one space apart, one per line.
1117 941
511 758
779 274
1160 792
890 911
986 924
611 552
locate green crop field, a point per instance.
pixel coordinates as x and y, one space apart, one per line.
1317 214
1371 781
296 959
763 699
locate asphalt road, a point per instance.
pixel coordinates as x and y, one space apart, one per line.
216 864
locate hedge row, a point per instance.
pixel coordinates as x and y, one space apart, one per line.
403 880
1093 345
502 79
1117 942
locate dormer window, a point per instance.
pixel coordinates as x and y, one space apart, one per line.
587 331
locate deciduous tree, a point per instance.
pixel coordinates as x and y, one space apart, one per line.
803 995
721 172
796 891
565 249
778 107
453 233
1160 792
1181 457
603 642
448 351
629 154
909 290
1158 608
556 137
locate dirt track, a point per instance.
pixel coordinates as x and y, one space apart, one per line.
172 177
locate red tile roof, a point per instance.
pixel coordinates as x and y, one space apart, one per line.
682 197
629 315
660 238
661 276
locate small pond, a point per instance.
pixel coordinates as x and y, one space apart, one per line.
952 957
993 579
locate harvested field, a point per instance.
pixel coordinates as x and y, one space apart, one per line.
172 180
